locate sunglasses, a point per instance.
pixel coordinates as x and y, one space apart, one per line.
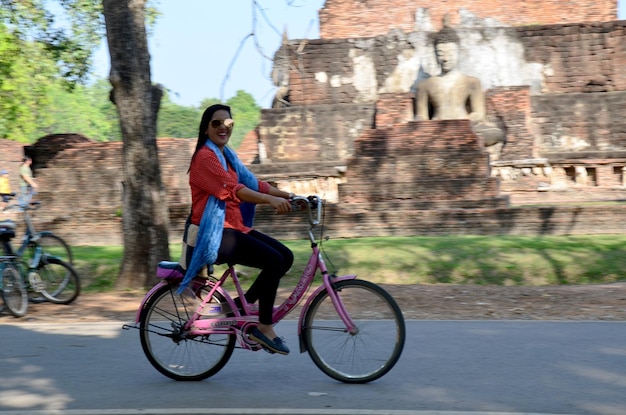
217 123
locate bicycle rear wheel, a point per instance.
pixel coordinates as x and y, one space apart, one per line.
14 293
174 352
358 357
56 280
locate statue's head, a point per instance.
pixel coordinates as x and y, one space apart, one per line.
447 48
447 56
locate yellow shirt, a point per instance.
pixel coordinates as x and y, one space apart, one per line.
5 185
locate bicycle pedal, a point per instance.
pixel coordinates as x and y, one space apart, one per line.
267 350
35 282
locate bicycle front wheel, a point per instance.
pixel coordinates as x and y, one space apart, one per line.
56 280
365 354
14 293
169 348
50 244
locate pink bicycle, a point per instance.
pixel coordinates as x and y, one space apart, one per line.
188 337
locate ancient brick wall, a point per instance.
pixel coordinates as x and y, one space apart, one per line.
358 18
394 109
550 59
420 164
579 122
351 105
578 57
81 186
248 150
549 62
81 193
313 133
510 108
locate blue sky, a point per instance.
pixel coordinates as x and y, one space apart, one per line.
195 42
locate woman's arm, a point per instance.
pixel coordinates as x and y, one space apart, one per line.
280 193
276 198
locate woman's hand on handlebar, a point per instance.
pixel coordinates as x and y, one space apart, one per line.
279 204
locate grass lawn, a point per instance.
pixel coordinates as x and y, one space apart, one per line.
497 260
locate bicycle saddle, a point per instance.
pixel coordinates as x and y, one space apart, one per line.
7 224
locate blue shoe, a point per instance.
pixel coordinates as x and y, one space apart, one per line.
273 346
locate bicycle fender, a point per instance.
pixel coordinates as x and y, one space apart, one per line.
306 306
147 297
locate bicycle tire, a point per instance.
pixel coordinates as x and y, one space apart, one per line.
174 353
371 352
56 281
14 293
52 245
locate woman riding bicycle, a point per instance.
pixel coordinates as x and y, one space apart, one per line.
223 198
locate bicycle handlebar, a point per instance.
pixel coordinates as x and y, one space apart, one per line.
310 203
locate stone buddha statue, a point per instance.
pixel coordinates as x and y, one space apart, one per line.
452 95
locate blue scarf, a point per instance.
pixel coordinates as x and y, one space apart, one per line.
212 222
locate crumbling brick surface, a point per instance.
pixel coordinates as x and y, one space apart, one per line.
357 18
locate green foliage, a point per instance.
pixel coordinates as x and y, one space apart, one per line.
38 53
67 31
84 110
483 260
46 48
182 122
45 56
247 115
26 74
29 112
177 121
207 102
486 260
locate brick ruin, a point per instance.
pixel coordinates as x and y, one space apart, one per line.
343 128
342 19
557 89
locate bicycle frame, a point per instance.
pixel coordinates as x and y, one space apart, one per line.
239 322
24 205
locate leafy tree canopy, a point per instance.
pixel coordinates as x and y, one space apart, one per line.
247 115
45 58
67 30
177 120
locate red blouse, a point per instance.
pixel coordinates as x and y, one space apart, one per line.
208 178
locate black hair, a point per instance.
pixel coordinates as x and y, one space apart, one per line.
204 125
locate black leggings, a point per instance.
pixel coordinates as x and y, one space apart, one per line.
257 250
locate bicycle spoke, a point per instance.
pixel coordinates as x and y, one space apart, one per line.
173 351
58 282
14 293
365 354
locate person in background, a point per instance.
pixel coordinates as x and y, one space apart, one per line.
28 185
224 194
5 188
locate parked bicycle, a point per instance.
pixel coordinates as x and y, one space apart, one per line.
14 292
51 243
353 329
39 259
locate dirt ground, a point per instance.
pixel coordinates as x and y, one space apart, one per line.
425 302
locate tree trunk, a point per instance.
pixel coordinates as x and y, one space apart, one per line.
145 213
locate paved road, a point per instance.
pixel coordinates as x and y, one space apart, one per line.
447 368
